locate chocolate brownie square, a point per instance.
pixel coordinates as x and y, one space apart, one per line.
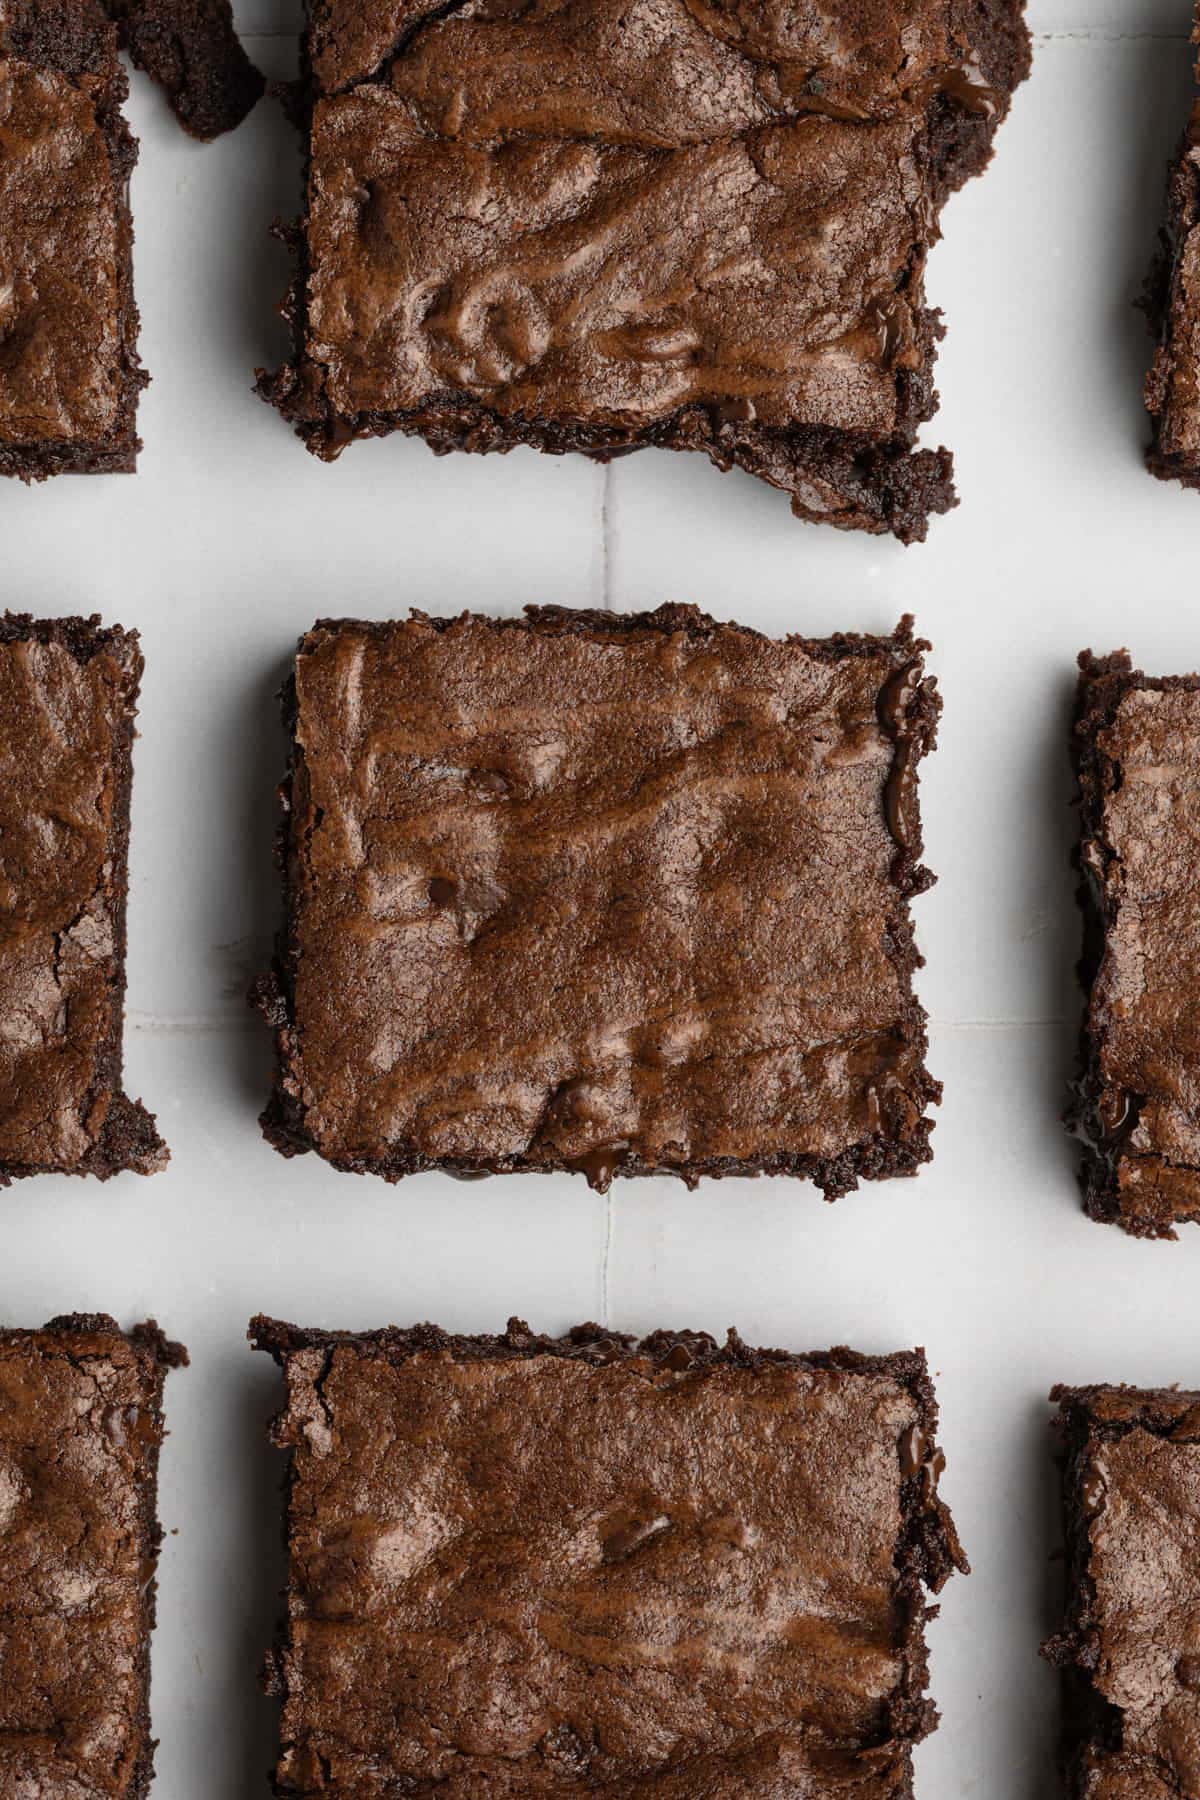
68 693
1130 1652
69 369
589 225
1173 306
585 1565
1137 1104
602 893
80 1428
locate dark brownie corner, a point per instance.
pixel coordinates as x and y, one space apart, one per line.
81 1424
64 851
1136 752
483 182
621 894
1172 304
191 49
1129 1652
633 1569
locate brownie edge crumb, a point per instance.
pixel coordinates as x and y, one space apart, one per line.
192 50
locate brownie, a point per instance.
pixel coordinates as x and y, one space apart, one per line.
1130 1651
690 224
1137 1101
603 893
586 1565
68 692
191 49
80 1428
1173 305
69 369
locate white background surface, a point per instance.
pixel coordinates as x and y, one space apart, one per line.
231 540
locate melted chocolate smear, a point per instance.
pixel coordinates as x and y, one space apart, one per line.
914 1448
900 790
1092 1492
598 1166
891 319
966 85
628 1533
335 437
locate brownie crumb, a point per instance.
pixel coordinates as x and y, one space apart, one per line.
190 48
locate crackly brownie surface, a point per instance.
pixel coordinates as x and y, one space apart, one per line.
80 1429
1131 1648
592 892
1137 751
592 1566
588 225
69 374
68 689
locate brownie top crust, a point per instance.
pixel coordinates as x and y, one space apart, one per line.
583 212
1138 759
1133 1636
80 1428
63 367
591 1566
581 890
784 302
859 59
67 694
